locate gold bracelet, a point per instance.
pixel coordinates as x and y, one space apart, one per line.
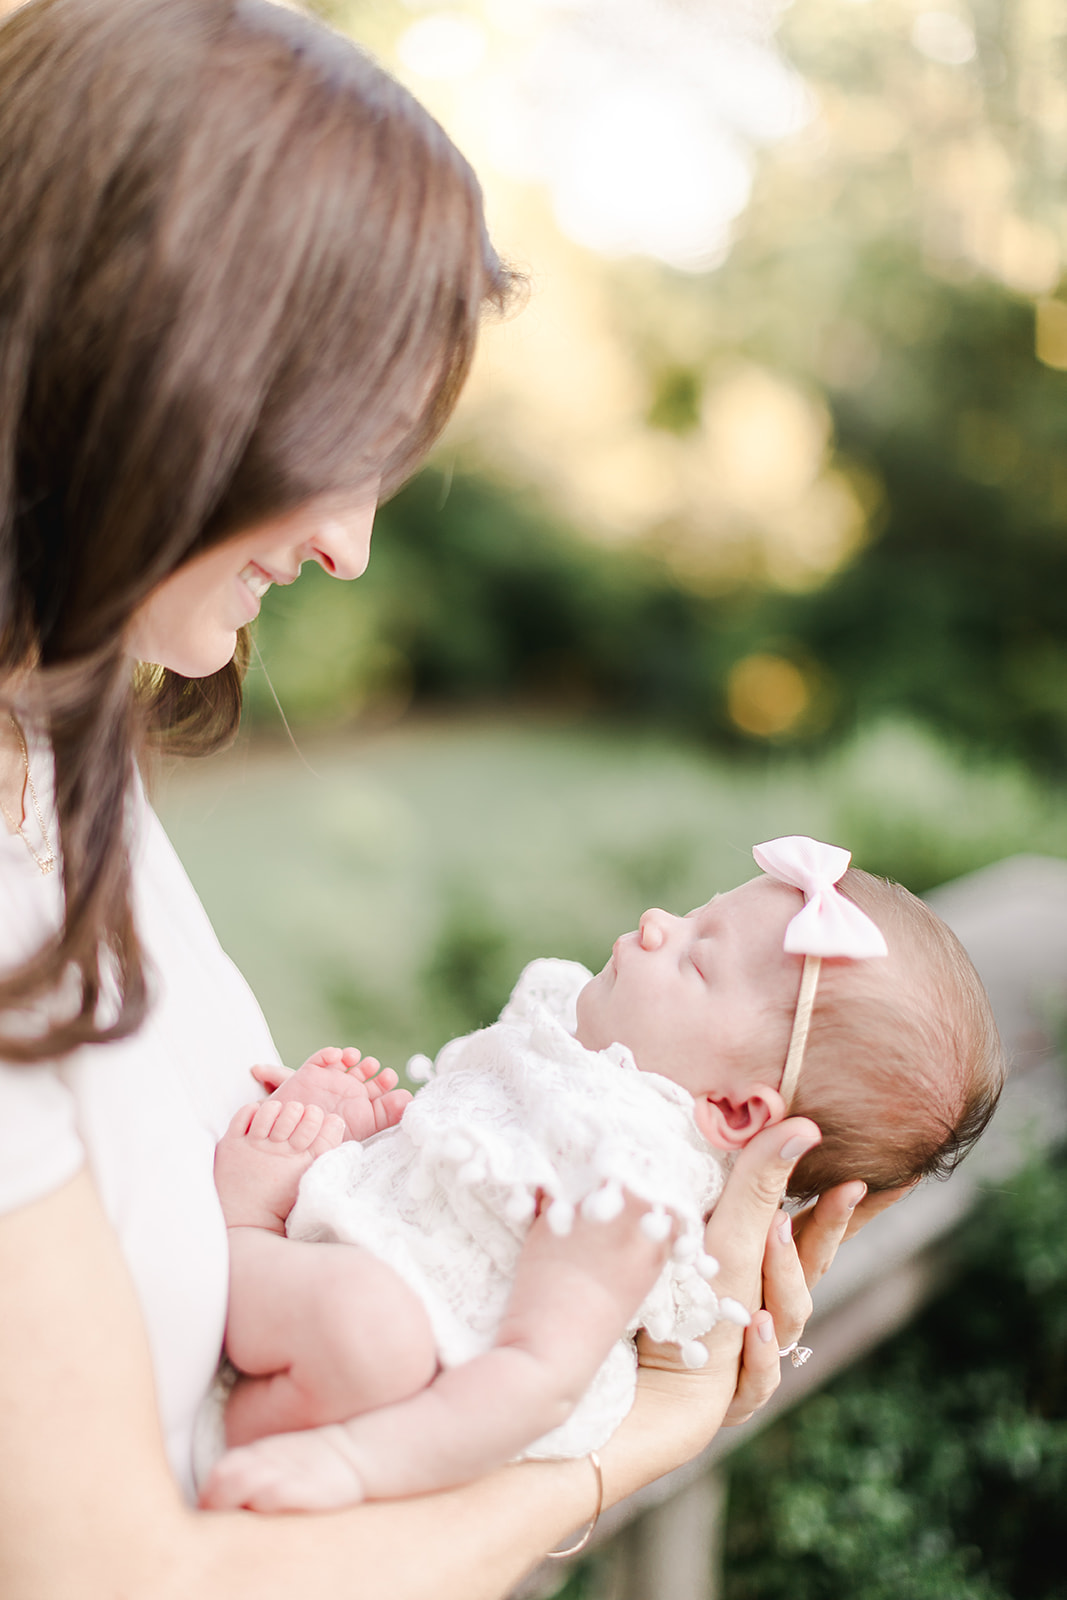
573 1550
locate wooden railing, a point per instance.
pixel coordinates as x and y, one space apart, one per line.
664 1543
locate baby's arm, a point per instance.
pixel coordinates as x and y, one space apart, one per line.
572 1299
357 1088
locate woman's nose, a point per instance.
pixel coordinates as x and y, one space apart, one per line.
340 542
653 928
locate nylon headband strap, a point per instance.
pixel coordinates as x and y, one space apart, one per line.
809 982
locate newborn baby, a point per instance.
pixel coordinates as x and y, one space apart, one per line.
411 1295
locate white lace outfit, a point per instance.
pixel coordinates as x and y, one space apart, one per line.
447 1197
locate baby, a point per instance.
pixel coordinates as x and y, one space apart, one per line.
412 1295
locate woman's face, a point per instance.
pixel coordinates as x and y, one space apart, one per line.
190 622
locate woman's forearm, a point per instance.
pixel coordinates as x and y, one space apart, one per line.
473 1543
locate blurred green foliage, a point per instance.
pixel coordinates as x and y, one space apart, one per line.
887 268
938 1467
954 614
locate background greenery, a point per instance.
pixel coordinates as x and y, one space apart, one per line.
936 1469
768 503
939 1466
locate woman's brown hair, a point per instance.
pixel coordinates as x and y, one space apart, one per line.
238 262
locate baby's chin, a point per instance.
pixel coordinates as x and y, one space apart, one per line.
587 1032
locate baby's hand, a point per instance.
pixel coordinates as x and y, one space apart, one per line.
356 1087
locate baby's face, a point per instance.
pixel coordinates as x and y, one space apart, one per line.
706 999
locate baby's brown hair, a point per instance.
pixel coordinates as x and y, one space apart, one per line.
901 1078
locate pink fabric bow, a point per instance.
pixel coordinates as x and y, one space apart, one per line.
829 924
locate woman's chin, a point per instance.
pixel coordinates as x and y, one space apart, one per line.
200 661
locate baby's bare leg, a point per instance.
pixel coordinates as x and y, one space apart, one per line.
307 1322
320 1332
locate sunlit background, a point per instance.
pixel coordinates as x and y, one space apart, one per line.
791 357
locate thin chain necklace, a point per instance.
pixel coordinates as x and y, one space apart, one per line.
46 862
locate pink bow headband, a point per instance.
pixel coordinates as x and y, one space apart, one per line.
829 924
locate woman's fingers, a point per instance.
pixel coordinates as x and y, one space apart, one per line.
785 1288
835 1216
761 1370
818 1231
737 1231
873 1204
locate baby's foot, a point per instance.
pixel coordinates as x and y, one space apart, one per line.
262 1156
287 1472
356 1087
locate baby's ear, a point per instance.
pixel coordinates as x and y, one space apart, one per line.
729 1124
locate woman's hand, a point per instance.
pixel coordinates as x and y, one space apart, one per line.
799 1251
678 1410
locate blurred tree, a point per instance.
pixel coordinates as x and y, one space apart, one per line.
939 1466
819 483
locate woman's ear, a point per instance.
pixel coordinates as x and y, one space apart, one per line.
728 1124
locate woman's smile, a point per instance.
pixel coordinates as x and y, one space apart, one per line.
256 580
190 622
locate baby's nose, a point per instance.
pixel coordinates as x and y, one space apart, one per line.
653 927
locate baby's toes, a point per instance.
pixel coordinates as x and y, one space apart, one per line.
307 1129
383 1081
265 1119
242 1120
290 1113
329 1136
389 1108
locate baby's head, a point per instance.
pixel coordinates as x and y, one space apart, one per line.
902 1066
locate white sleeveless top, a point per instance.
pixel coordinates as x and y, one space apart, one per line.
144 1114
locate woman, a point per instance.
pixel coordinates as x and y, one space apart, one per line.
240 282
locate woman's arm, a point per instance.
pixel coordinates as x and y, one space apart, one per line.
797 1253
88 1505
87 1502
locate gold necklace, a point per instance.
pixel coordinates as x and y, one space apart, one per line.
46 862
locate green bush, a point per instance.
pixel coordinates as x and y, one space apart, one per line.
951 617
936 1469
